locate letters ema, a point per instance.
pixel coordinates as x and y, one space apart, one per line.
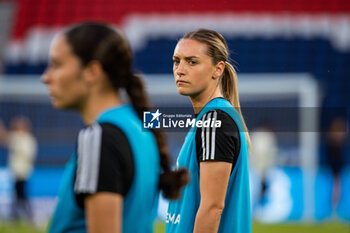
171 218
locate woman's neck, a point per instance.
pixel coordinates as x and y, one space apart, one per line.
96 104
200 100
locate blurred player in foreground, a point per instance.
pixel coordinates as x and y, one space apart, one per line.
217 198
22 147
112 181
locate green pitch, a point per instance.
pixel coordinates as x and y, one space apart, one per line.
332 227
335 227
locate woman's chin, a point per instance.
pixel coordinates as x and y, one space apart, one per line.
183 91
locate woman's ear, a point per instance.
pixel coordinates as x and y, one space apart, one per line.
93 71
219 70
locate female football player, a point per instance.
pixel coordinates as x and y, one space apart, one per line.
112 181
217 198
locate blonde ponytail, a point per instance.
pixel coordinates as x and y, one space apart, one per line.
230 92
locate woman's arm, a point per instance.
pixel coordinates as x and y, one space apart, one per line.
214 177
100 186
104 212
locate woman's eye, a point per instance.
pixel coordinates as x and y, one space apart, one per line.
192 62
176 62
54 64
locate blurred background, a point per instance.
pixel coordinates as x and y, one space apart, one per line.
293 63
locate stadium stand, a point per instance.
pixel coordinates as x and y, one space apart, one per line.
36 22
